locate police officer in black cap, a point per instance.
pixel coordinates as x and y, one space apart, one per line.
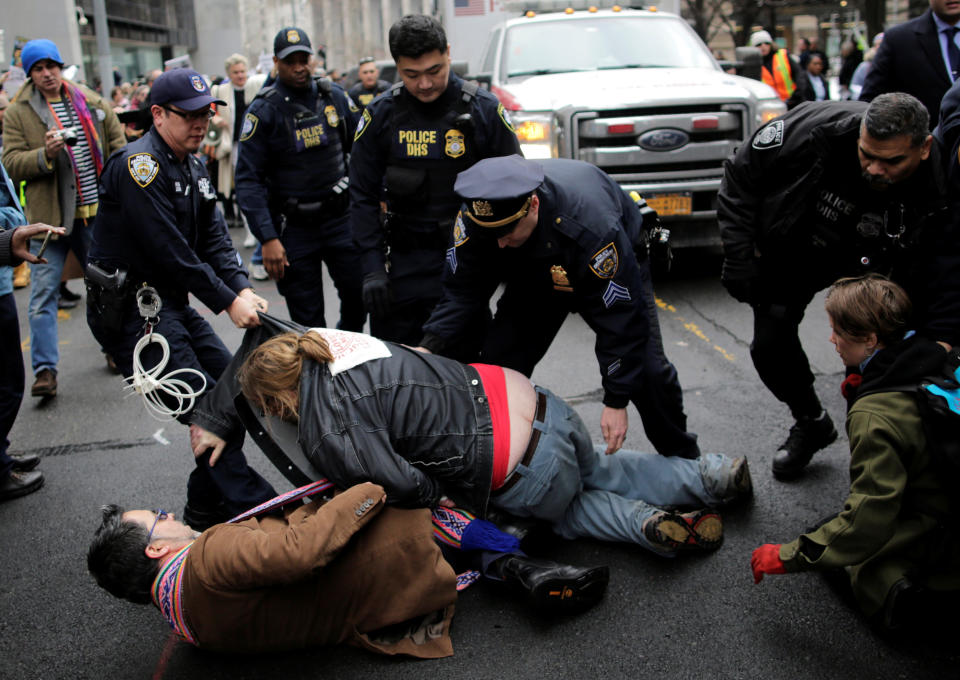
408 149
292 184
563 237
158 224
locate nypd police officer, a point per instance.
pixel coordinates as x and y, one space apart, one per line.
563 237
158 224
409 146
292 185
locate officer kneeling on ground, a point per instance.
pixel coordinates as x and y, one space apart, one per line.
159 225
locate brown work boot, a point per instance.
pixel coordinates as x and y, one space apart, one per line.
21 275
45 385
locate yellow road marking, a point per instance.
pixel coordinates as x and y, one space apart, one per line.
694 329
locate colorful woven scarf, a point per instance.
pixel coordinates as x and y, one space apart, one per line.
79 102
450 526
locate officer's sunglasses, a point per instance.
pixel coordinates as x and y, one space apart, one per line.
161 515
192 116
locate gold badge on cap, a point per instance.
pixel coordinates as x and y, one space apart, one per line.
293 36
560 280
482 209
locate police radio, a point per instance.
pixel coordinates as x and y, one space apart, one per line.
656 237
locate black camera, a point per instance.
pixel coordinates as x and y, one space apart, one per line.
68 135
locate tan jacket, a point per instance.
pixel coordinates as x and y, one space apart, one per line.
325 574
51 192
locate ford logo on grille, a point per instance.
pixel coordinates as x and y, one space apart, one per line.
663 140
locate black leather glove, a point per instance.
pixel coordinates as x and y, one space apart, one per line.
741 278
377 293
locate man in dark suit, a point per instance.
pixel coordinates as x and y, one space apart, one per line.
920 57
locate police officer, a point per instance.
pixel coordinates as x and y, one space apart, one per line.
368 85
834 189
292 184
159 225
563 237
408 148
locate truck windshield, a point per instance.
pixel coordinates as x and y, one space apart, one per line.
597 43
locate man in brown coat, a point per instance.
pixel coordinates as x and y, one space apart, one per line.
350 570
56 137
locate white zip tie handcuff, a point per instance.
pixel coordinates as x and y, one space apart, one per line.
148 383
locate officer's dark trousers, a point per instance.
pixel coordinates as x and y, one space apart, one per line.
525 325
310 241
778 355
193 344
11 376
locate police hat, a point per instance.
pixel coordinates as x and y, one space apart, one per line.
289 40
496 192
184 88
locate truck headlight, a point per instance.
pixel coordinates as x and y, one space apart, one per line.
768 109
536 132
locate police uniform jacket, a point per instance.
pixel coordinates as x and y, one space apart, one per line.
158 219
293 145
325 573
414 151
896 520
800 162
364 96
584 250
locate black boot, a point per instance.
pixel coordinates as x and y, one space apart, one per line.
559 588
807 436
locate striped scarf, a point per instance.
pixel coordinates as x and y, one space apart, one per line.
79 103
449 526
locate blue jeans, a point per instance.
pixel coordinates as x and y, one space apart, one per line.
584 492
45 292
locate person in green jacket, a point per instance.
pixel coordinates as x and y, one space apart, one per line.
894 536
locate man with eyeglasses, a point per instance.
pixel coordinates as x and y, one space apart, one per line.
326 572
159 225
563 237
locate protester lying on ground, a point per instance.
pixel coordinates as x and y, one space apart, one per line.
426 427
895 536
348 570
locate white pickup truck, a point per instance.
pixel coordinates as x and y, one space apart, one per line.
636 93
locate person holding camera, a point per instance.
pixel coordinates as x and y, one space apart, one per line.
56 137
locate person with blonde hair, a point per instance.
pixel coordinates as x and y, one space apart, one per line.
432 430
893 536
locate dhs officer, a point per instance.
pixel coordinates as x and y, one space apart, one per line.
563 237
834 189
158 224
369 85
408 148
292 184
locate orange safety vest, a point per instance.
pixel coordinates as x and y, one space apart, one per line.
780 80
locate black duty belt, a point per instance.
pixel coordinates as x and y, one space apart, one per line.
538 417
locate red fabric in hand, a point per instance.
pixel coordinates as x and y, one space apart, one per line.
766 560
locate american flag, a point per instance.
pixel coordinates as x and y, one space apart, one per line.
465 8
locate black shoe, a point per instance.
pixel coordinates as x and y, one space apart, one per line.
201 519
24 462
558 588
807 436
20 484
63 303
67 294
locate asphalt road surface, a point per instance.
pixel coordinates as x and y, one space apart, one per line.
693 617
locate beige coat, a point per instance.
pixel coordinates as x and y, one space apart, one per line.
51 191
324 574
226 148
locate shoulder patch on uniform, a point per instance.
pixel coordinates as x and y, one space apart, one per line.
350 103
605 261
330 111
459 232
362 125
143 168
769 137
505 117
250 122
454 146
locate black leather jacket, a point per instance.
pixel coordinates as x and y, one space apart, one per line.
417 424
